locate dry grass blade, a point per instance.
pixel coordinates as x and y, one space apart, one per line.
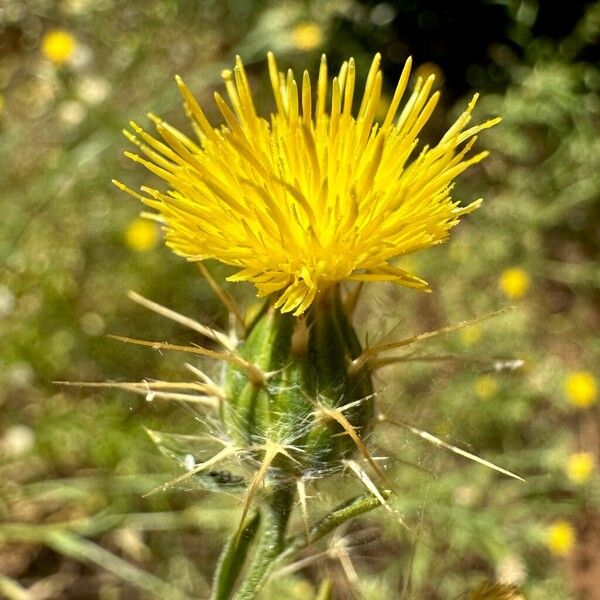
86 551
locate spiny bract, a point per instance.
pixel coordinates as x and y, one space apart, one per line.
315 194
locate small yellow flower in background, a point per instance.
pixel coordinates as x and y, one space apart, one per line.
514 282
426 69
313 195
485 386
581 388
560 538
141 235
58 46
307 35
580 466
469 336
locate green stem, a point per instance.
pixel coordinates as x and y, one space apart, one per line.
271 542
273 545
344 512
233 558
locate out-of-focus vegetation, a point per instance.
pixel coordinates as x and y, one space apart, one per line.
75 465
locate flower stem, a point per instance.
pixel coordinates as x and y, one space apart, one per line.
271 541
232 559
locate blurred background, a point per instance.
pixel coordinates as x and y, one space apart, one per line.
75 463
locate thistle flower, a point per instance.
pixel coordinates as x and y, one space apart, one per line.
315 194
298 204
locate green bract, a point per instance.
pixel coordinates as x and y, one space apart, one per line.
306 361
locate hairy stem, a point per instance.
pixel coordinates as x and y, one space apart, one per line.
271 541
232 559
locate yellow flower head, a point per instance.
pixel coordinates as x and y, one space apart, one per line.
514 282
307 35
58 46
141 235
560 538
581 389
580 466
317 193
